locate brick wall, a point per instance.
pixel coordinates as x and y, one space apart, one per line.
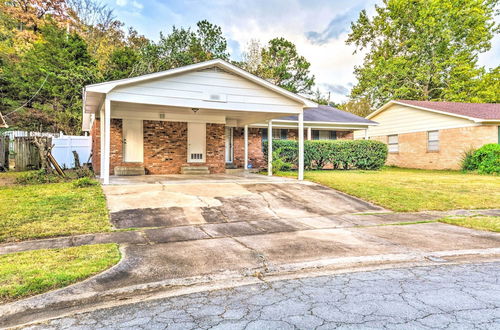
165 147
452 143
255 154
216 148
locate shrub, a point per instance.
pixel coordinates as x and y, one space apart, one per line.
84 172
84 182
341 154
487 159
37 177
467 163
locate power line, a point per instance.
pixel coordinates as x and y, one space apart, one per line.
27 102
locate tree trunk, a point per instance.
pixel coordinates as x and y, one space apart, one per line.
44 147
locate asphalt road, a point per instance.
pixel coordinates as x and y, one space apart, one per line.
443 296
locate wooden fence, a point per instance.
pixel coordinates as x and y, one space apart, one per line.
4 153
26 154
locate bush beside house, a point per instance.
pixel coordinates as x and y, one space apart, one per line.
485 160
336 154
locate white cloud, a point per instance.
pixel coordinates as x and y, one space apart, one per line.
121 3
137 5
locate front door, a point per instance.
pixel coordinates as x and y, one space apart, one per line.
133 141
229 144
197 142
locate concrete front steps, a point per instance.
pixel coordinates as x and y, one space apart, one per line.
195 170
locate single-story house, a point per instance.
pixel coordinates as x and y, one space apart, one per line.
200 117
433 135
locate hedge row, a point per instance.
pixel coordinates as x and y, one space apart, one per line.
339 154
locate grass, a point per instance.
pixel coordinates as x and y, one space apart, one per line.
29 273
411 190
49 210
475 222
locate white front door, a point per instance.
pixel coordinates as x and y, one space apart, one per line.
229 145
197 142
133 141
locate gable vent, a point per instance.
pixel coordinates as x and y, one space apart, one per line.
215 97
162 116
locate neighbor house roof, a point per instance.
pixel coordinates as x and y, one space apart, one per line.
478 112
328 114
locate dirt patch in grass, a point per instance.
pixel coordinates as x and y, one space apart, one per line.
29 273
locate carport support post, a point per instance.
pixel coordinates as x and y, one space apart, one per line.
101 134
301 146
270 148
245 133
309 133
366 134
107 139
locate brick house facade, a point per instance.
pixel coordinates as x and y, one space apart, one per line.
431 134
413 149
165 146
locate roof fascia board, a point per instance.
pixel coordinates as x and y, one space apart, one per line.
325 122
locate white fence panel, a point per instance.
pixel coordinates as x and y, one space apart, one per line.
64 146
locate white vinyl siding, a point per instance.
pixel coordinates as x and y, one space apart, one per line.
399 119
393 143
433 141
212 89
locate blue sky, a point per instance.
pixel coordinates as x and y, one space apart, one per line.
318 27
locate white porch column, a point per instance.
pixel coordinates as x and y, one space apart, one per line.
309 133
245 133
107 139
366 134
270 148
301 146
101 140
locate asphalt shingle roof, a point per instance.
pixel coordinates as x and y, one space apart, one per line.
325 113
475 110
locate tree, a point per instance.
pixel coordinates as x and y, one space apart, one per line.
183 47
422 50
252 56
121 63
360 107
283 66
47 82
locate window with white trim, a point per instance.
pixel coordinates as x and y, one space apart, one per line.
324 135
433 141
393 143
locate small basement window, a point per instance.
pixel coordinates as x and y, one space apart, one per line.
433 141
393 143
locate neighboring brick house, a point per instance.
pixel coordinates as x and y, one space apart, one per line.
194 119
433 135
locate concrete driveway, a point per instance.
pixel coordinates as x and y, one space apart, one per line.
168 201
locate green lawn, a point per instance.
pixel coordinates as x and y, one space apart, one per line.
407 190
48 210
477 222
29 273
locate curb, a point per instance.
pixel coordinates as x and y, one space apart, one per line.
70 300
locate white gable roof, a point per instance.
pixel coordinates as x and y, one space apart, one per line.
93 94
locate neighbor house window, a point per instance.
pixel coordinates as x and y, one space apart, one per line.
393 143
278 134
433 141
324 135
